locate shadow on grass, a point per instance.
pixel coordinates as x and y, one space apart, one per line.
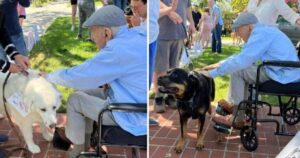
58 48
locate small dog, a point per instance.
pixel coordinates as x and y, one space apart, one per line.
193 93
39 97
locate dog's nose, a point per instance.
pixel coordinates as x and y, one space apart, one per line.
52 125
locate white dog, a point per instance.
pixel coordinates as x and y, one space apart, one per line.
41 100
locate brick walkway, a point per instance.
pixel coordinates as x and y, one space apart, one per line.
163 139
47 150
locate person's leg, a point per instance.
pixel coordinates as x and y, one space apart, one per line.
161 65
124 4
73 18
218 38
238 90
19 42
89 10
81 21
176 50
152 52
118 3
214 37
82 108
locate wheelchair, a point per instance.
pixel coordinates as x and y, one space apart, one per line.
289 110
115 135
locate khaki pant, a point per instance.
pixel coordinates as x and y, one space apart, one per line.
239 82
83 109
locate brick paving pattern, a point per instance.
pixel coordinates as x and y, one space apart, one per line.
163 138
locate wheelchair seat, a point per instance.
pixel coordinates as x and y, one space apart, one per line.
117 136
273 87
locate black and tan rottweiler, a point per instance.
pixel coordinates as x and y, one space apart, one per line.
193 92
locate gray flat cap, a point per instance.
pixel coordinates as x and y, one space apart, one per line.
109 16
244 19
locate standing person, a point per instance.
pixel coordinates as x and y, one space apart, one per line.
9 9
196 16
206 26
267 11
170 44
22 63
86 8
74 10
21 13
122 4
121 63
217 29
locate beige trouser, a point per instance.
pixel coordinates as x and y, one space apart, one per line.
83 109
239 82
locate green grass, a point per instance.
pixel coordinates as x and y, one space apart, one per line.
58 48
208 58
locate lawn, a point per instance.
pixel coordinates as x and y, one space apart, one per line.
58 48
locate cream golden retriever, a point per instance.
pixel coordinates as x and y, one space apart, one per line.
40 99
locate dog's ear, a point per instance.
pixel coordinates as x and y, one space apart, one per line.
193 77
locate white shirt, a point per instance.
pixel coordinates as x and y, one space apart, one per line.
268 11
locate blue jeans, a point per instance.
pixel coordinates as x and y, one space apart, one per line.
152 52
216 39
19 42
121 4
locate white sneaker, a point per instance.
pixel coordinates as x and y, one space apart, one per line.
72 28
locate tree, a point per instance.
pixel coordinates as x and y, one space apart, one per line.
239 5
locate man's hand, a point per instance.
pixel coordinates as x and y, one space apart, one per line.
205 73
192 29
174 5
22 61
210 67
14 68
175 17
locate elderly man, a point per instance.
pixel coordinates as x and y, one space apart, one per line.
262 42
121 63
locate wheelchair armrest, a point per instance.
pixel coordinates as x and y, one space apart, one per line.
134 107
282 63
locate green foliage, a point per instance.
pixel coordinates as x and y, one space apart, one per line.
58 49
40 3
239 5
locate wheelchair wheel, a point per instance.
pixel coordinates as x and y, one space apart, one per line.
249 138
248 115
291 116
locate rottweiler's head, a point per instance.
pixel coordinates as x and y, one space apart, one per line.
174 82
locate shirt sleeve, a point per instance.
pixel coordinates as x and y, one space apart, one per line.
256 46
103 68
288 13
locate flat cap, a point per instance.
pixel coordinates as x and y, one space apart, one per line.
108 16
244 19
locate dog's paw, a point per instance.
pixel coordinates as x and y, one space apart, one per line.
34 149
178 149
199 146
48 136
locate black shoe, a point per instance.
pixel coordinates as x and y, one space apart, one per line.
3 138
159 106
152 122
171 101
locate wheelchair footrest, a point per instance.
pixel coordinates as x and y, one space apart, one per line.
222 128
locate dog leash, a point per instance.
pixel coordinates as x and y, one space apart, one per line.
191 66
13 147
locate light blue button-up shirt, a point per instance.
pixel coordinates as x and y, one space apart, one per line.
217 10
122 63
265 43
